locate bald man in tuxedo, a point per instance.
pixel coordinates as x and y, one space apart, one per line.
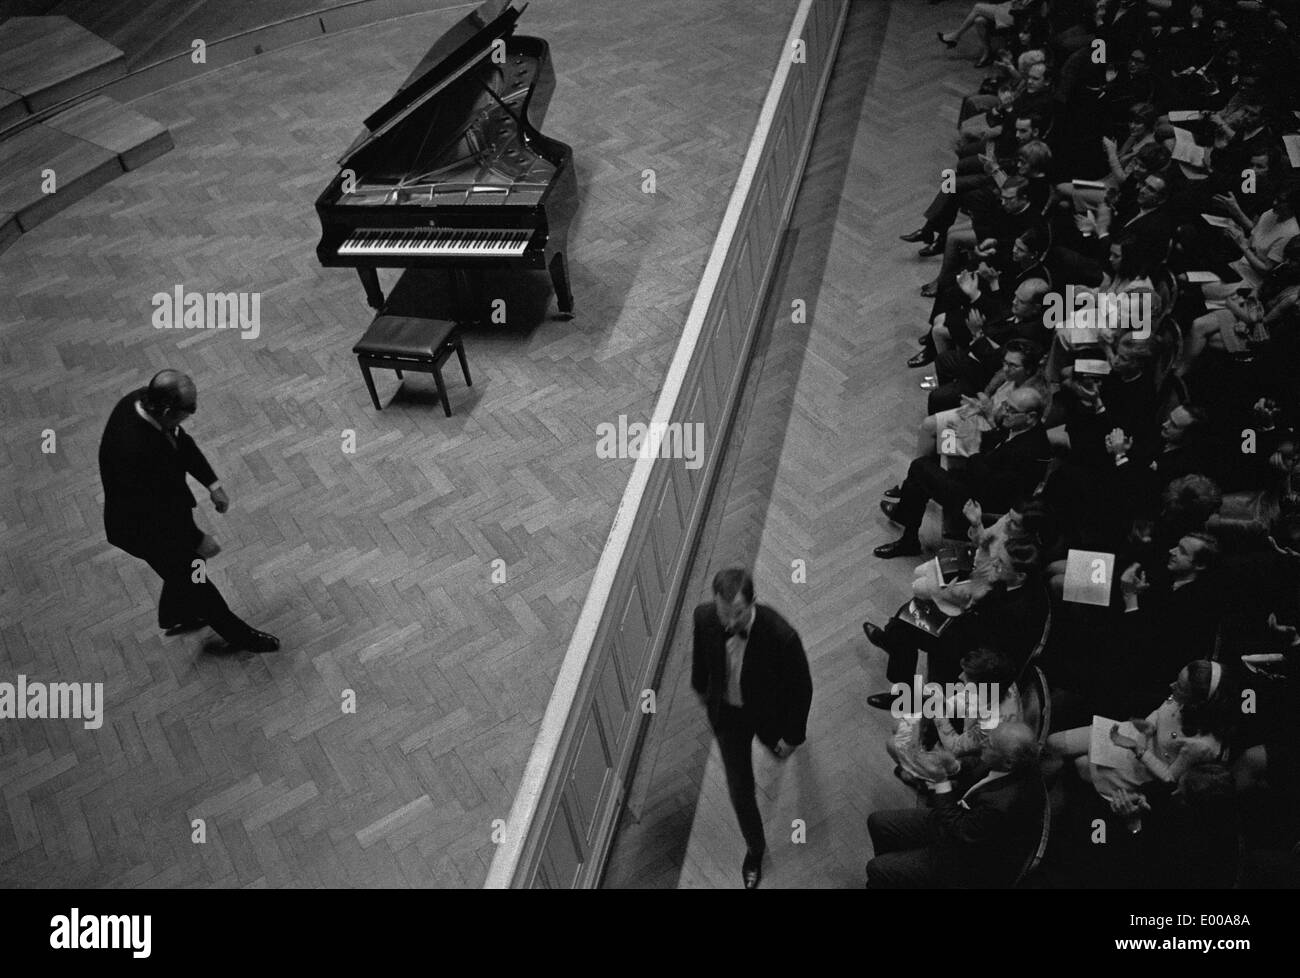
144 459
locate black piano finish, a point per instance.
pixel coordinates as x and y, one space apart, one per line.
444 155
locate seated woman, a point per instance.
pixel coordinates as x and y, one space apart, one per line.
1246 312
1127 273
1262 242
1123 159
1188 729
985 18
920 757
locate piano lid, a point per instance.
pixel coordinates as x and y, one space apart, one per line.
451 55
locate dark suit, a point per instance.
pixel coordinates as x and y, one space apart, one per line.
1005 470
981 840
148 512
1170 628
775 688
1009 621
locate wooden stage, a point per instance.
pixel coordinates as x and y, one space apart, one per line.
375 567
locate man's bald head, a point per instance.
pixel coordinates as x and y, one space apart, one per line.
1012 747
1022 410
171 395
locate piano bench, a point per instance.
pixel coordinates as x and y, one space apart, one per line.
400 343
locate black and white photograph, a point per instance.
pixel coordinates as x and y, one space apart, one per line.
796 445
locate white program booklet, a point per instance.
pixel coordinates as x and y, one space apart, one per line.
1292 143
1186 150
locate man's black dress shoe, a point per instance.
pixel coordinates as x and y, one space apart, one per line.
180 627
881 701
894 493
751 871
902 547
920 234
922 358
887 507
947 43
256 641
875 634
933 248
930 289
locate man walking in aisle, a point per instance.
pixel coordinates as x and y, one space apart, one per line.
750 670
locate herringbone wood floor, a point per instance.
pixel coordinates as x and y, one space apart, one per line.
829 423
375 567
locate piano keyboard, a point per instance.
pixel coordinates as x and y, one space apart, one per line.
449 242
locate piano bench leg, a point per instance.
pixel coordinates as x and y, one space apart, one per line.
464 364
398 372
370 384
442 388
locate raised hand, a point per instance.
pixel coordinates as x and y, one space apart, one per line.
1134 580
1118 442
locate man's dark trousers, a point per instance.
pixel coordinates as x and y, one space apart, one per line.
926 480
903 841
183 599
735 733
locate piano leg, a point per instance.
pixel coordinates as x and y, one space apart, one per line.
370 282
560 280
463 295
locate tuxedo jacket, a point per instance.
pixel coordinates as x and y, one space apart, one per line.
148 505
985 838
775 684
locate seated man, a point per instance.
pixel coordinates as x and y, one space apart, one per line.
1011 462
965 371
981 839
1173 615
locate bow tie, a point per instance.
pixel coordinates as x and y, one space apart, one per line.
738 632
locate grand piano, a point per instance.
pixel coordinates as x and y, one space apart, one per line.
452 171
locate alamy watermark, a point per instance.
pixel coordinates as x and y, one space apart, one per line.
76 931
179 309
662 439
1102 310
946 701
53 701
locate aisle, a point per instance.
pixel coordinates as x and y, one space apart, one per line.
831 425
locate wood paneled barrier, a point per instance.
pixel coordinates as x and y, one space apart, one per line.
564 815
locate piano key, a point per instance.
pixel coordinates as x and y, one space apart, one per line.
437 241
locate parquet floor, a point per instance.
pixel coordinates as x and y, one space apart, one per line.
829 423
375 567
